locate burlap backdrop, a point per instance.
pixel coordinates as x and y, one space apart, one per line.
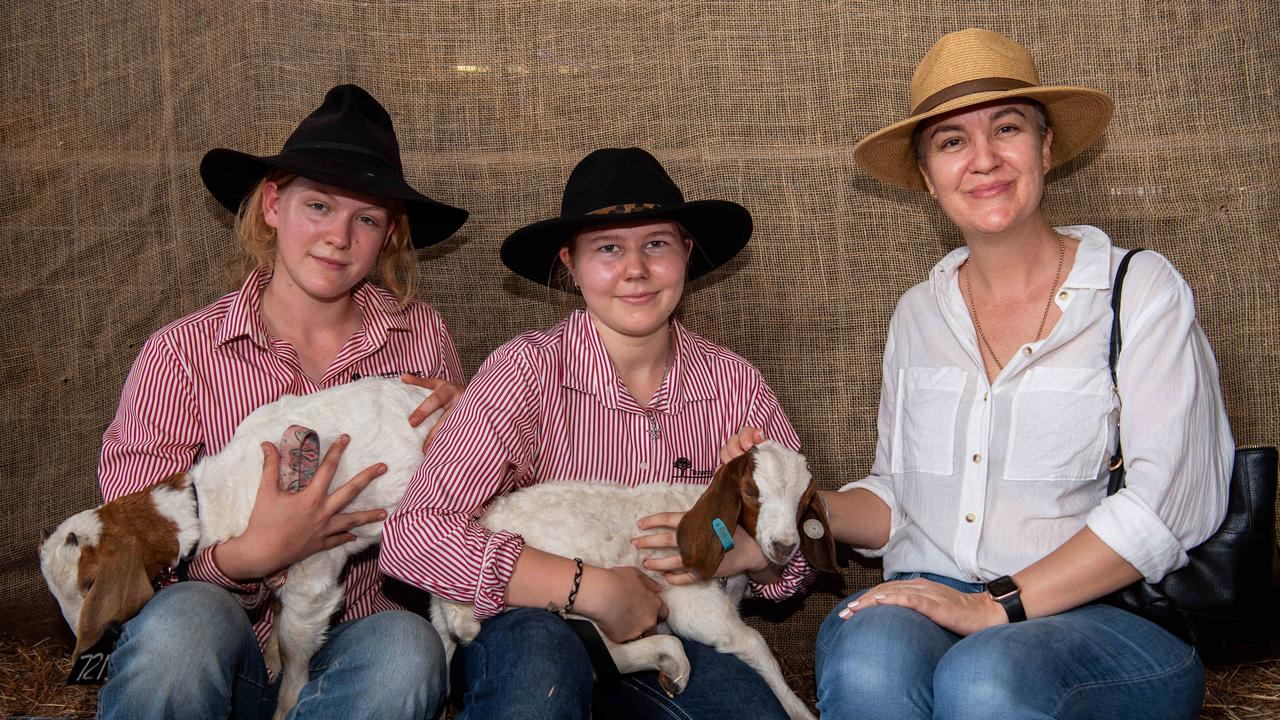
106 232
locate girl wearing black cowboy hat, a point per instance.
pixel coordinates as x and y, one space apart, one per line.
621 391
988 496
313 222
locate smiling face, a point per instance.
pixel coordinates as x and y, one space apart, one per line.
986 166
631 274
327 238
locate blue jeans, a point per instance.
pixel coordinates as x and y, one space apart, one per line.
191 653
528 664
1095 661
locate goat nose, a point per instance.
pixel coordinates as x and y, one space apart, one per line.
782 550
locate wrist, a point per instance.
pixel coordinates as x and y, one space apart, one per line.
593 592
232 562
1007 596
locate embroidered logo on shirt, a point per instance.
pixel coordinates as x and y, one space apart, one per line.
391 375
685 471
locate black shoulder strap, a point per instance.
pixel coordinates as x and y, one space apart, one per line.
1117 460
1116 287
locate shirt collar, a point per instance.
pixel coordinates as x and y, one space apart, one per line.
588 367
244 320
1092 267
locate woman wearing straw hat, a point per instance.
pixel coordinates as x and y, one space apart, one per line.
997 418
313 222
619 391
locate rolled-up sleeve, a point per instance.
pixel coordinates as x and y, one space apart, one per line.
1177 444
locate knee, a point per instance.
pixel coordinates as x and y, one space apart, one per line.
403 658
528 663
870 666
184 617
410 657
983 676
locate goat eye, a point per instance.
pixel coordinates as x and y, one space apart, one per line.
87 583
72 540
751 493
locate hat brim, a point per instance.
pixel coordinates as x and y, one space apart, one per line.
720 230
1078 116
230 176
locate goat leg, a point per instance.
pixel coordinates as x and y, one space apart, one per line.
310 596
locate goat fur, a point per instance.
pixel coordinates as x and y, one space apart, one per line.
596 521
99 563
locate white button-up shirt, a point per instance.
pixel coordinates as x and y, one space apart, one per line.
984 479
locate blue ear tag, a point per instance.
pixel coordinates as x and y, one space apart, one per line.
722 532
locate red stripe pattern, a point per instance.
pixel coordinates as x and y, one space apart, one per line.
549 406
195 379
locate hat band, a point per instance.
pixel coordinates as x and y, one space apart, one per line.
326 145
624 209
968 88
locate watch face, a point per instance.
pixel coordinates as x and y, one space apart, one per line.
1002 586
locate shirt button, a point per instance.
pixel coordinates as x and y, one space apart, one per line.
970 518
1062 295
977 457
1026 350
984 396
644 466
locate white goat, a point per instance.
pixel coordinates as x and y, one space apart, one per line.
99 563
768 491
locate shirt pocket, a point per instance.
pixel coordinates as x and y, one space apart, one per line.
1059 425
924 431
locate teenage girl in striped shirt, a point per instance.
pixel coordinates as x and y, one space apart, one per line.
313 220
620 392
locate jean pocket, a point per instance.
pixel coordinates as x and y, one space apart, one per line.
925 419
1060 425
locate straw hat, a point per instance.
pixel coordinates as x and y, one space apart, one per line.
975 66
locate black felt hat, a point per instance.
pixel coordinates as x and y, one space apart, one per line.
348 142
621 185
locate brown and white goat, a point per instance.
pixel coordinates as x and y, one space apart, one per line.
768 491
100 563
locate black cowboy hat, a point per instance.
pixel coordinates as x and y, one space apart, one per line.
349 142
620 185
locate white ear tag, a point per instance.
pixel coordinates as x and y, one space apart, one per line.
813 529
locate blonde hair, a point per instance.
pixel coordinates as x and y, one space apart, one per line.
395 269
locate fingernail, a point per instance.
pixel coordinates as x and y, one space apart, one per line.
845 614
382 467
854 604
880 597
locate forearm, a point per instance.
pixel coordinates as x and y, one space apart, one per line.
857 517
1081 570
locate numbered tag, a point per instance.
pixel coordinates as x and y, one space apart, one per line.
91 667
722 532
813 529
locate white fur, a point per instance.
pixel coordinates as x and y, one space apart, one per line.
373 411
596 521
60 561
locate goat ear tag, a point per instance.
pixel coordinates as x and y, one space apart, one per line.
813 529
722 532
91 667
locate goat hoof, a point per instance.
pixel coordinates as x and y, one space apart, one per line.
668 685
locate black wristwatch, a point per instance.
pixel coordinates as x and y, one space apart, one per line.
1006 592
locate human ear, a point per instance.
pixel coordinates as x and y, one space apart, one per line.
566 257
1045 145
271 203
928 184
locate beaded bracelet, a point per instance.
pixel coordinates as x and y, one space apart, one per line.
573 594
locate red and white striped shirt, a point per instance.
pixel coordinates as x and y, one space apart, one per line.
195 379
550 406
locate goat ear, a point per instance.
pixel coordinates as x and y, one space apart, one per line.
819 551
120 589
700 546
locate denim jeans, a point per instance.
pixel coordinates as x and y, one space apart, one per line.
528 664
191 653
1094 661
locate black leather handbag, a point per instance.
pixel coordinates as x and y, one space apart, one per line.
1224 601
